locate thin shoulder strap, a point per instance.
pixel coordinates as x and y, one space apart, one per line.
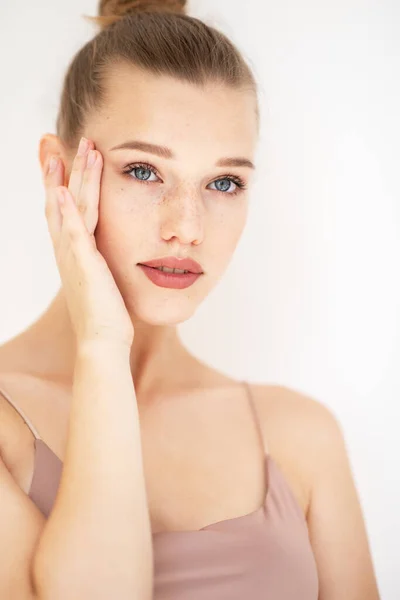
255 415
21 413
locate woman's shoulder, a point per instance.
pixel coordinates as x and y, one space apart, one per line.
16 439
295 411
31 406
302 434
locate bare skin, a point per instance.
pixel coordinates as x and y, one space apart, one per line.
175 392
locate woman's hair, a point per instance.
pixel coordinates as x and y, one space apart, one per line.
155 36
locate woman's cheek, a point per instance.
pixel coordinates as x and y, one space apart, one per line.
229 214
124 221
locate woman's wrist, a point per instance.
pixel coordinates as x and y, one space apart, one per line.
102 348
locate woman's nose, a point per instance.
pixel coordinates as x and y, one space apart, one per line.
182 216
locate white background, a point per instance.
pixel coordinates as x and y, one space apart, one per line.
311 299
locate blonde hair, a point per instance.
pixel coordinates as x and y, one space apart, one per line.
153 35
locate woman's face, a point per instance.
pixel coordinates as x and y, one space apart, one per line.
180 202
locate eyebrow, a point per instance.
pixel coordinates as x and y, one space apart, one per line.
164 152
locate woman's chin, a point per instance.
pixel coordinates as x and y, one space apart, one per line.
162 316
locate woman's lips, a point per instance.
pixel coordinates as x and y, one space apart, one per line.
172 262
164 279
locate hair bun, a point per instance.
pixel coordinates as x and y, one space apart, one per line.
120 8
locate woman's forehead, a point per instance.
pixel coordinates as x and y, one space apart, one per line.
145 103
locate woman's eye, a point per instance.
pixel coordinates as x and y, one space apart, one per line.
224 185
142 173
147 174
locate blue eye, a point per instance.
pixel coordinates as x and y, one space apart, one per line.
223 185
142 172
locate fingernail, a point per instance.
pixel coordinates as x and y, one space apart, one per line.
53 164
83 146
91 159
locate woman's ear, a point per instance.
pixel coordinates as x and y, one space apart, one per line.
51 145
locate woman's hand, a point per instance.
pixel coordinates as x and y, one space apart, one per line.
97 309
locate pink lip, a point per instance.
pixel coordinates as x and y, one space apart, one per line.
177 281
185 264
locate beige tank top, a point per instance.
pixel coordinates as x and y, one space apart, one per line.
264 555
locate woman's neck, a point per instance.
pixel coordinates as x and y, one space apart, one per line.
47 349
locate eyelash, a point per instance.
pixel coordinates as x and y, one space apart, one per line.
238 181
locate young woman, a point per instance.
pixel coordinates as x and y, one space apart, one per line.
129 469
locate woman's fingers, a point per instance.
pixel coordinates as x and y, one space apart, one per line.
78 168
73 233
54 176
76 252
72 219
94 300
83 185
88 201
80 212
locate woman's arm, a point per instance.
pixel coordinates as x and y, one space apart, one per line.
337 530
97 543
